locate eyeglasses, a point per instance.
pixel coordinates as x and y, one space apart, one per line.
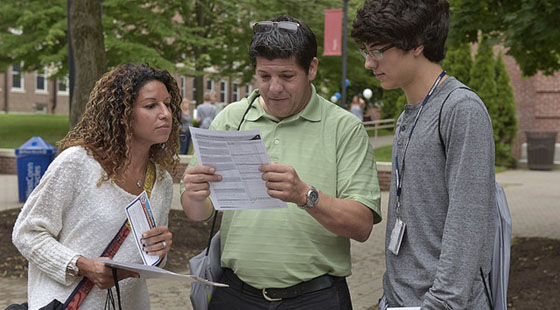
376 54
267 26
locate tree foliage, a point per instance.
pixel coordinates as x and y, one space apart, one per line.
34 32
489 78
193 38
390 108
506 129
458 62
527 28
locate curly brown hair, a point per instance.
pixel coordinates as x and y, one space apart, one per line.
105 129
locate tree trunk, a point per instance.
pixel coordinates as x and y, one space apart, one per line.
54 95
6 96
86 33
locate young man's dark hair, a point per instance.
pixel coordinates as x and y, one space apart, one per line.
274 41
405 24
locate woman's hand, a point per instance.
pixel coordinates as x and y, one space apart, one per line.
100 274
157 241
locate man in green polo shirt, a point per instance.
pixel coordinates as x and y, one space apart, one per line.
322 165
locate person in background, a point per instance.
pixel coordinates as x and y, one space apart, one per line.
206 112
125 143
357 107
214 101
323 166
440 223
184 131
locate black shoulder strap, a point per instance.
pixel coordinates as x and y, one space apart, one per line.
439 117
215 215
486 285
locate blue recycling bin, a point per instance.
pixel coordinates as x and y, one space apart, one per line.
33 158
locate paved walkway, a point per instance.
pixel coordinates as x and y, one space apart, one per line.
533 196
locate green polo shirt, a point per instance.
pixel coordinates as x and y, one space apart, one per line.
329 148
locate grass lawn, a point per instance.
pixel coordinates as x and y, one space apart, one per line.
381 132
16 129
383 153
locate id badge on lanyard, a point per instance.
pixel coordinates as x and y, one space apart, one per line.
399 229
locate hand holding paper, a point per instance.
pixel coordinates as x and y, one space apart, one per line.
236 156
141 220
157 241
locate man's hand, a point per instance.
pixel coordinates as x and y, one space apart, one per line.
196 181
283 182
197 190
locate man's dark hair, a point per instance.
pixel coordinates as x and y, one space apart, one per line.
283 44
406 24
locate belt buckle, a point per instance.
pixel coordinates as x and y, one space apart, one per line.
268 298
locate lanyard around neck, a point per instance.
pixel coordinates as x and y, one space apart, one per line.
400 173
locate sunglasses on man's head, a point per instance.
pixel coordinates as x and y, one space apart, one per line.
267 26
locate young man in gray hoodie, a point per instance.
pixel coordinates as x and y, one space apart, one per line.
440 223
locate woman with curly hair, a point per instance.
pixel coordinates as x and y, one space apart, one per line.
125 143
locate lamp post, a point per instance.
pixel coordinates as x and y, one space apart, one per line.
344 36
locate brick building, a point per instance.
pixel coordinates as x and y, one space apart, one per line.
32 92
538 106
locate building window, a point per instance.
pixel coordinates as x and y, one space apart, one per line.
209 85
183 86
194 89
41 81
17 77
235 92
63 85
223 91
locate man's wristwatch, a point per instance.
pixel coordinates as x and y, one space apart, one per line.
72 268
312 198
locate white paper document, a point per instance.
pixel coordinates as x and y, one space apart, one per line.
156 272
140 217
236 156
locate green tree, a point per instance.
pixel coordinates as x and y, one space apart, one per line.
484 80
390 107
506 129
528 28
458 62
187 37
34 32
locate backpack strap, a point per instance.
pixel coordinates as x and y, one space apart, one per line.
441 111
486 285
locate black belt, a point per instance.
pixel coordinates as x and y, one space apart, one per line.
277 294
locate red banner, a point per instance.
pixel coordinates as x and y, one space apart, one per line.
332 45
